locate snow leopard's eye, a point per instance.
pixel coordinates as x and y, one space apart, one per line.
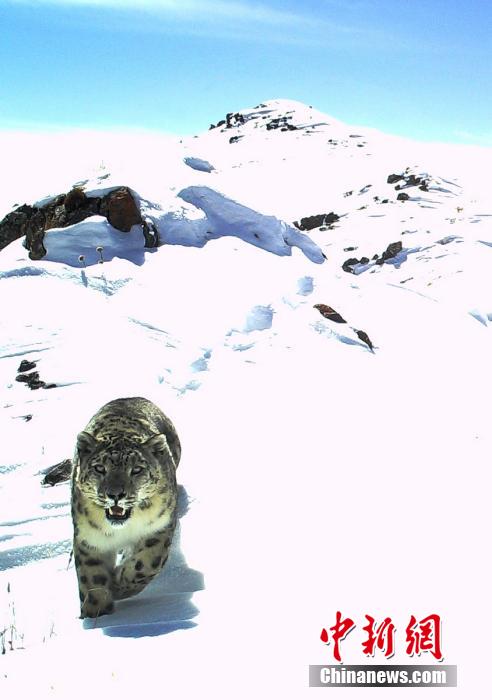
99 469
137 470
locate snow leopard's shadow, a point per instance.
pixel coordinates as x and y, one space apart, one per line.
165 605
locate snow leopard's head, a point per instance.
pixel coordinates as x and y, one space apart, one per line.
121 475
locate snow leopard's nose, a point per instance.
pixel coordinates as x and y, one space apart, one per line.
117 496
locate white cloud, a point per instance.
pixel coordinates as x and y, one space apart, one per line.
236 20
237 11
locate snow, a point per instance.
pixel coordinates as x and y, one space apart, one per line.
316 475
199 164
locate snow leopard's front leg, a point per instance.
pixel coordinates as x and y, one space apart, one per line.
94 574
144 564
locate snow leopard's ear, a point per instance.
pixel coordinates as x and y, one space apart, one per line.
157 445
86 443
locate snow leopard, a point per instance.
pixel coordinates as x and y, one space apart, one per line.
124 501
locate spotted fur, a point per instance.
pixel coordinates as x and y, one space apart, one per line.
124 500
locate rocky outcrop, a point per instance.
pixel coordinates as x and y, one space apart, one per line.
281 123
307 223
13 226
58 473
407 179
31 379
118 206
391 252
232 119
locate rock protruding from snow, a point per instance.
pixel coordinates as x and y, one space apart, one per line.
358 265
84 228
122 210
118 206
274 115
307 223
13 226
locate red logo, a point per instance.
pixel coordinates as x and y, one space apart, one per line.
421 636
340 630
424 636
382 637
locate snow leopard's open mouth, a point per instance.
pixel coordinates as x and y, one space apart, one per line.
117 515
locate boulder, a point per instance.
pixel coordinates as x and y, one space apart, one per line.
13 225
349 264
58 473
26 366
329 313
307 223
394 178
118 206
122 211
392 250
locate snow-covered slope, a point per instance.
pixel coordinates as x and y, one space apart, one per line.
317 475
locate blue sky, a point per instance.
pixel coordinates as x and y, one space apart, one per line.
419 68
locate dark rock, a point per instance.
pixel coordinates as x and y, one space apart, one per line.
232 119
235 139
151 234
364 261
348 264
26 366
403 196
123 212
118 206
350 248
384 201
392 250
329 313
58 473
75 199
394 178
32 380
410 180
362 335
413 180
26 378
34 232
281 123
307 223
13 225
